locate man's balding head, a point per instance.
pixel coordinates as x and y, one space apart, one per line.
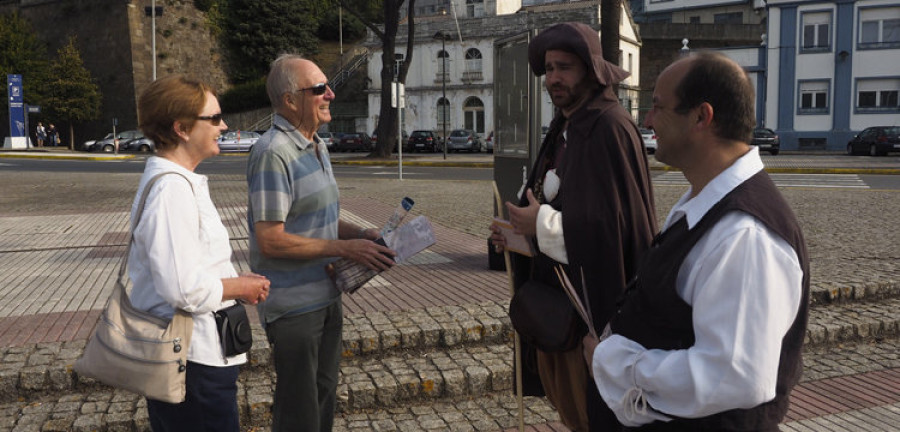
721 82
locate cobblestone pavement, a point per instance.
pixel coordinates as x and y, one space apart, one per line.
441 367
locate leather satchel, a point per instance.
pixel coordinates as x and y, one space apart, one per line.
234 330
545 318
134 350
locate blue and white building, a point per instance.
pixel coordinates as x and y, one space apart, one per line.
833 69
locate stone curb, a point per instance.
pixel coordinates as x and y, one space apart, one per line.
114 410
452 351
104 157
829 292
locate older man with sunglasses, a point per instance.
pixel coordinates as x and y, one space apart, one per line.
295 234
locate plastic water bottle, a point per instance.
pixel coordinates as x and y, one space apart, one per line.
397 217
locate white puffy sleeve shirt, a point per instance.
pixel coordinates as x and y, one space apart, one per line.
744 284
180 255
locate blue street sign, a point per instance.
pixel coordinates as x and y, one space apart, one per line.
16 105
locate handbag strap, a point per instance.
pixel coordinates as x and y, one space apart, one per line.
137 217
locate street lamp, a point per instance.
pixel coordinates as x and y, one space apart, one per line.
398 59
153 11
443 36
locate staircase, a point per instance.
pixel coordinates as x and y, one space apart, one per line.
343 74
436 369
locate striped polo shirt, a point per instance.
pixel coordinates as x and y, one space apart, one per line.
288 183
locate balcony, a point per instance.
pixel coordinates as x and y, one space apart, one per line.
440 77
470 76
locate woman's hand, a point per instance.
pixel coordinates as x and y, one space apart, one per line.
249 288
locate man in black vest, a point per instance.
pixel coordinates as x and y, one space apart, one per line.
708 336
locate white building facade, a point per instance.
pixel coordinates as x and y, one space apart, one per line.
462 98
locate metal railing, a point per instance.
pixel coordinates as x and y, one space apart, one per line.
347 71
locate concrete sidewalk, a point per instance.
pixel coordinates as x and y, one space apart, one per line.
437 324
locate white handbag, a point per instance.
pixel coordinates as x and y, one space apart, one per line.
134 350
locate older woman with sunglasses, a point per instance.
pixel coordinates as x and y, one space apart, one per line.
181 256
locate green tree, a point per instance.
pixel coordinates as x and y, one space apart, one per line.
73 97
257 31
22 53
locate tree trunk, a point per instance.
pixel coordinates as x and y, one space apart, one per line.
71 136
386 129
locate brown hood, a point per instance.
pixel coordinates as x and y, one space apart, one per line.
581 40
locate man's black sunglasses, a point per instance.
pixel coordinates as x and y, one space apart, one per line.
215 119
318 89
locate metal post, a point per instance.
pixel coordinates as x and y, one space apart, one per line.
399 129
153 34
444 90
398 60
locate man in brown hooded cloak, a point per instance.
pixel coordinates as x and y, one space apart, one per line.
597 221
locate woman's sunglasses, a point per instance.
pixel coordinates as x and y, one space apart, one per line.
215 119
318 89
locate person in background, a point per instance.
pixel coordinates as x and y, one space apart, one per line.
295 234
41 134
709 336
588 204
52 135
181 256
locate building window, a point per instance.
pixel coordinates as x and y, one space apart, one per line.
728 18
443 67
473 60
474 8
443 114
816 35
473 66
813 97
473 112
878 95
694 20
630 62
879 28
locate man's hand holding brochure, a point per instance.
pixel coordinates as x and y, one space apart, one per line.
407 240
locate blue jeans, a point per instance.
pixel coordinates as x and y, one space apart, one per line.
307 353
210 403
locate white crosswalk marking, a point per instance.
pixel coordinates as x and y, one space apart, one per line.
837 181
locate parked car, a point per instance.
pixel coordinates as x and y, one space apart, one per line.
142 144
876 141
329 139
489 143
464 139
237 141
649 140
766 139
108 143
357 141
423 140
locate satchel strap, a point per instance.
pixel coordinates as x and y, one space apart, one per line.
137 217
